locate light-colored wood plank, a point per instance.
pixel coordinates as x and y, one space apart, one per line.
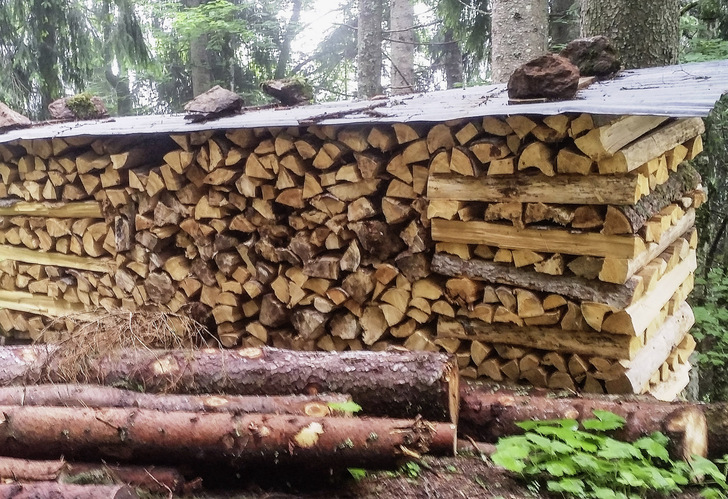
56 259
561 189
553 240
83 209
635 319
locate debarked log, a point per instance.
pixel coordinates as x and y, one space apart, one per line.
488 414
97 396
138 435
392 383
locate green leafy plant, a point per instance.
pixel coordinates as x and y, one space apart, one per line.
587 462
348 407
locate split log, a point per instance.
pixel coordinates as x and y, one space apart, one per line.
488 414
96 396
632 218
616 295
65 491
390 383
237 439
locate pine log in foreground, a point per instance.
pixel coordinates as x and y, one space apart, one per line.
392 383
155 479
140 435
488 414
65 491
96 396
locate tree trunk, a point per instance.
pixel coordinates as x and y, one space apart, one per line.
369 48
284 57
402 39
65 491
519 30
563 22
155 479
488 414
200 63
394 384
139 435
453 61
717 416
645 33
95 396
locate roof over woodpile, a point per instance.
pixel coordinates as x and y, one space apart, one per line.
676 91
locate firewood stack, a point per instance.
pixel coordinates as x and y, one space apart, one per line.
571 249
561 248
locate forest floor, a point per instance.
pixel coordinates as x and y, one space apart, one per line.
433 478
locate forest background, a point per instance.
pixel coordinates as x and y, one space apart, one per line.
152 56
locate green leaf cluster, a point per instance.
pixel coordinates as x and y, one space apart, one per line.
585 461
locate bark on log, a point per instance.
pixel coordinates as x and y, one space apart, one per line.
393 384
56 490
579 288
155 479
95 396
684 180
717 417
140 435
488 414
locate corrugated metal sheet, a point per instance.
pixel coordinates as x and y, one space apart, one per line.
676 91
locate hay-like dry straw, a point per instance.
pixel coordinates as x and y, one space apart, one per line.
89 337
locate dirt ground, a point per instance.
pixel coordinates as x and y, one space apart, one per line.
434 478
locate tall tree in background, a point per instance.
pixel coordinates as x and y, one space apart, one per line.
200 57
284 56
369 48
646 33
465 39
402 42
563 22
519 30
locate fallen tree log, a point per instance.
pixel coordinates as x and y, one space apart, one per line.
155 479
65 491
96 396
488 414
393 383
137 435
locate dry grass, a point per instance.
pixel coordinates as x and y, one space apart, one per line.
87 337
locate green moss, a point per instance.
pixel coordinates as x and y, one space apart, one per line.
82 106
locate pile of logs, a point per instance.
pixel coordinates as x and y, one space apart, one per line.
571 249
555 250
255 408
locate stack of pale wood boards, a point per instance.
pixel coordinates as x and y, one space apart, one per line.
556 250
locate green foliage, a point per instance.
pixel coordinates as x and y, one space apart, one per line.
350 406
589 463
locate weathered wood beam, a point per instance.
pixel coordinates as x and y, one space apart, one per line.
586 343
579 288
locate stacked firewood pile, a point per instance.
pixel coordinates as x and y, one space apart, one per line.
571 247
321 237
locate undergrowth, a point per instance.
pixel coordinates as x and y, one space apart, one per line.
587 462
